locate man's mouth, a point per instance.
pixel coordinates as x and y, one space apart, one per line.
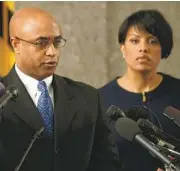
51 63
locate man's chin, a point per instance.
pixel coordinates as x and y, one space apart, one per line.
45 75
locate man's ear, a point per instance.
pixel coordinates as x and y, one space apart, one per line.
15 44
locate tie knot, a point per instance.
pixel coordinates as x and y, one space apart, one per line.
42 86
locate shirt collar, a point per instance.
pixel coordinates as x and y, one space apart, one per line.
30 82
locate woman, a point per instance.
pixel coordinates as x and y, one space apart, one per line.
145 37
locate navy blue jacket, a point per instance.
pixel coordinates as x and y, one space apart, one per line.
133 156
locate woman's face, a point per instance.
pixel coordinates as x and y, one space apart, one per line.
141 50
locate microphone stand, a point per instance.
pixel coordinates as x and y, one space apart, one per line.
35 136
173 152
170 166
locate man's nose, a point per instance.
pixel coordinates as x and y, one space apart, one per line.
51 50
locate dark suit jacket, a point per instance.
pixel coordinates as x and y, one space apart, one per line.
81 138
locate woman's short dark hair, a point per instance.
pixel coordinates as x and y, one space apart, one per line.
154 23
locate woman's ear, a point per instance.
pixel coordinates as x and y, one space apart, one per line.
122 50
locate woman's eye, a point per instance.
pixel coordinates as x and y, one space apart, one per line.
153 41
134 41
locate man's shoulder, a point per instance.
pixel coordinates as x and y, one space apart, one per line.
76 85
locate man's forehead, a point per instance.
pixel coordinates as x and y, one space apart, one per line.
35 23
41 29
39 23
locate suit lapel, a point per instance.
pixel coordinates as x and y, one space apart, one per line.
25 108
64 108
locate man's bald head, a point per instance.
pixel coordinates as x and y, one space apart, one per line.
34 35
25 18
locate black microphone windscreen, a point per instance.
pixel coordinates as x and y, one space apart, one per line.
127 128
137 112
115 112
13 90
2 89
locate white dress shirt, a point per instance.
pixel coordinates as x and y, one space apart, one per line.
31 85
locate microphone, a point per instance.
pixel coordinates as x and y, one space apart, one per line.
36 135
149 127
173 114
137 112
11 93
115 112
2 89
129 130
134 113
165 144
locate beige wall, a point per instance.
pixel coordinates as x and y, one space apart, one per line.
92 52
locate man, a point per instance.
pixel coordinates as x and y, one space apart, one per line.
60 120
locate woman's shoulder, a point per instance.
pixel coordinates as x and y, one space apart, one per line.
170 83
110 85
170 79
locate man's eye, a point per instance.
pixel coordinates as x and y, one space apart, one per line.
58 41
41 43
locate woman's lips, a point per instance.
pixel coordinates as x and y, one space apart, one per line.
143 59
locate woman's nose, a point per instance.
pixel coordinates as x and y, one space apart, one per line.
143 47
